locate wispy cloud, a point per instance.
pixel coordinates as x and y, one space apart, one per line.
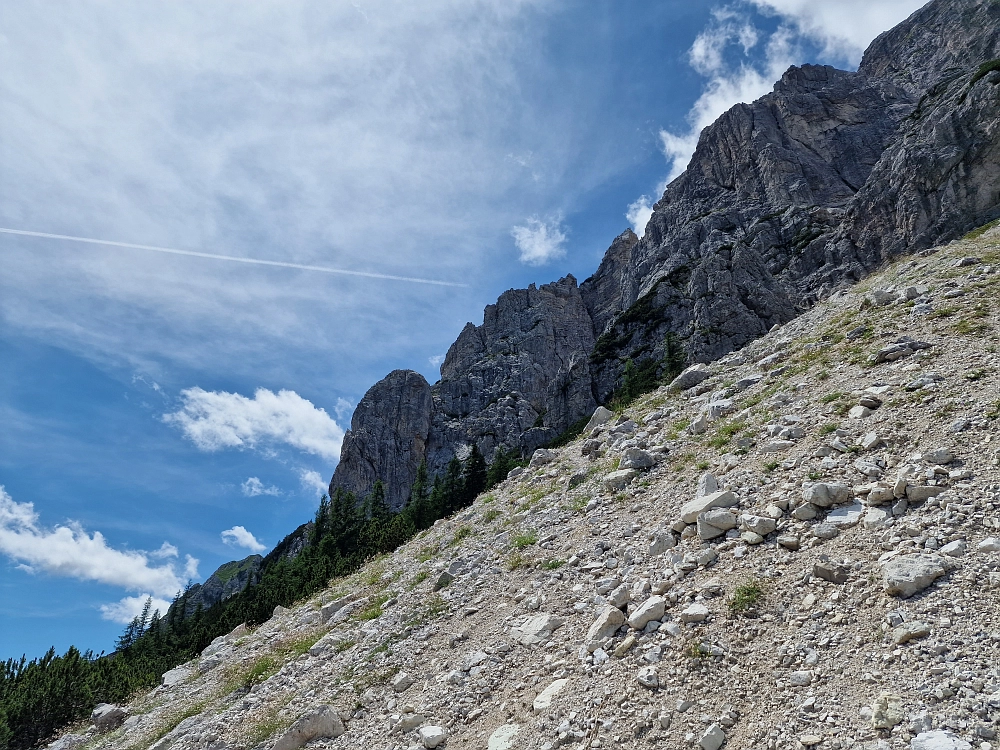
69 550
313 480
540 241
240 537
214 420
844 28
727 84
130 607
253 487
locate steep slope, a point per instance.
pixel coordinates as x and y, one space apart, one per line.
808 189
811 559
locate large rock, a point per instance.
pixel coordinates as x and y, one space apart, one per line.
938 740
694 508
107 716
824 495
536 629
906 576
387 439
319 723
606 625
649 610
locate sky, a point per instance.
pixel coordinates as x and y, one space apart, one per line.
221 223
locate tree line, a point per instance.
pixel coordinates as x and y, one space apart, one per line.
40 696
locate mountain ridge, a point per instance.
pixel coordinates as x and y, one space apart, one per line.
786 199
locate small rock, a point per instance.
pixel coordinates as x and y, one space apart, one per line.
601 416
503 737
990 544
800 678
648 678
906 576
956 548
830 571
636 458
707 485
175 676
402 682
696 612
443 580
713 738
715 523
544 699
846 516
790 541
661 542
541 457
887 711
859 412
432 736
107 716
620 479
939 456
651 609
825 495
910 631
825 531
536 629
606 624
920 493
760 525
938 740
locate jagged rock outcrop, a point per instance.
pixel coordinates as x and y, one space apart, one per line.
388 437
518 380
228 580
786 199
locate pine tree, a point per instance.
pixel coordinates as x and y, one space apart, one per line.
473 476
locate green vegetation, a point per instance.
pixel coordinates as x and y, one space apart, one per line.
746 597
525 540
552 564
978 232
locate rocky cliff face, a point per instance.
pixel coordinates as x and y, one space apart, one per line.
229 580
810 188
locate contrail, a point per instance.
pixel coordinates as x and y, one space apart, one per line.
233 258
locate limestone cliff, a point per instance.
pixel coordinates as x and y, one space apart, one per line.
786 199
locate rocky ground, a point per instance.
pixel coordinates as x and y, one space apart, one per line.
800 548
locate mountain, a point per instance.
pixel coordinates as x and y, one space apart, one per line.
810 559
786 200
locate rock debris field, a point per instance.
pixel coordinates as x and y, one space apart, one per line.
795 546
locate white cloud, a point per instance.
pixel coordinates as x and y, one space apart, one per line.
288 131
845 28
638 214
70 551
436 360
130 607
726 85
214 420
539 241
343 409
254 487
166 550
313 480
240 537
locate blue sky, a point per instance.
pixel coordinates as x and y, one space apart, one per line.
162 414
